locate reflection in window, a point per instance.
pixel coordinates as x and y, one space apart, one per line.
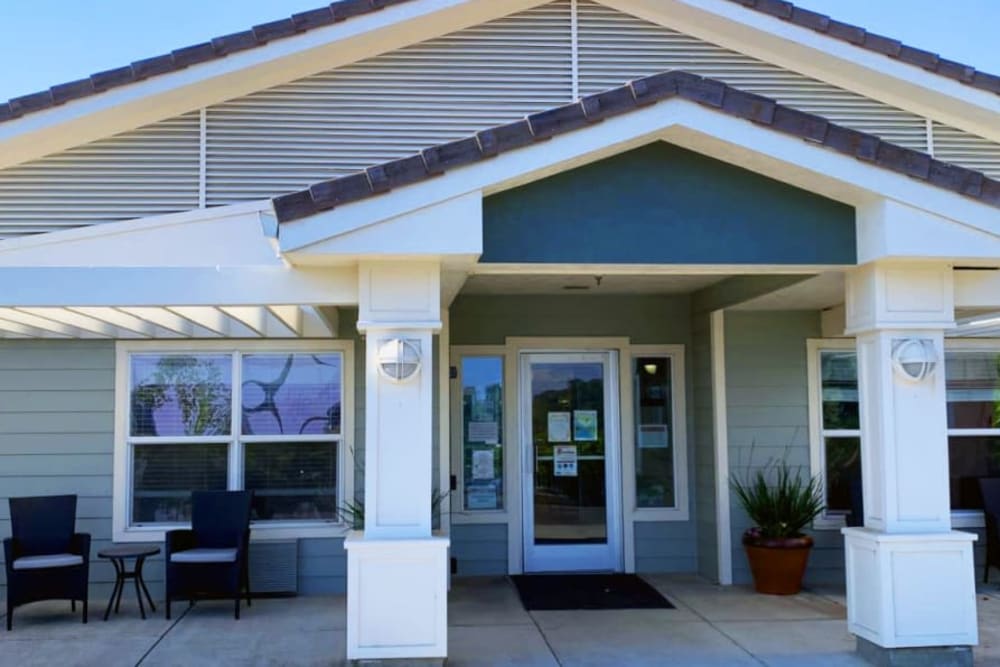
840 428
654 447
181 394
482 432
972 381
181 437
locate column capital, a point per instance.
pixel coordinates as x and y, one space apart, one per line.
399 294
901 295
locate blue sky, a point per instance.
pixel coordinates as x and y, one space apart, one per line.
44 42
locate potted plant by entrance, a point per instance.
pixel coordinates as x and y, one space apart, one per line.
780 503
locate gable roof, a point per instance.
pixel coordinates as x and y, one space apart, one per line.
711 93
260 35
871 41
178 59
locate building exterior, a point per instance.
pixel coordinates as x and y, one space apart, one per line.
515 287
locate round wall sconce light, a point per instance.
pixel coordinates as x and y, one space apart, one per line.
398 359
914 359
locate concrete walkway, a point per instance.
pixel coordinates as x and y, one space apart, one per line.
489 627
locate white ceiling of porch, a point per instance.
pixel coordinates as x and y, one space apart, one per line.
587 284
816 293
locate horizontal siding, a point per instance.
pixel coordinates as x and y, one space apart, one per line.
703 447
665 546
322 567
479 548
766 357
56 436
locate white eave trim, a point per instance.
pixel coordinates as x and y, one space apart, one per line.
826 58
786 158
164 96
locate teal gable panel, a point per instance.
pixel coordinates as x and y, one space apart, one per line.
660 204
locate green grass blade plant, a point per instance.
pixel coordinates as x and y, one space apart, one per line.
778 500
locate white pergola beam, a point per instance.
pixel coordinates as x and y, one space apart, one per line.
126 287
162 318
206 317
317 323
42 323
289 317
25 330
119 319
252 317
74 319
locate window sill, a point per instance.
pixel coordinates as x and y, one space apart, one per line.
258 532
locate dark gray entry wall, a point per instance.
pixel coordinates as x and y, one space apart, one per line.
660 204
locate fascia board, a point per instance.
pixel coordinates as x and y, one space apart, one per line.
825 58
760 149
168 95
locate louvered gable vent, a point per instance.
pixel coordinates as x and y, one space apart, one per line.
145 172
290 136
615 47
389 106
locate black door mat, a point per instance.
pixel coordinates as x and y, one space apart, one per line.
550 592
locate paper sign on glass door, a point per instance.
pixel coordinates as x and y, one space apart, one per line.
585 425
559 423
482 464
564 461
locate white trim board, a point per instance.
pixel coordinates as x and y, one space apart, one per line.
785 158
723 521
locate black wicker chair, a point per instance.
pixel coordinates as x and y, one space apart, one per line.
856 517
989 487
45 558
210 560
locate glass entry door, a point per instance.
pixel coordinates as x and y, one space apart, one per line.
570 450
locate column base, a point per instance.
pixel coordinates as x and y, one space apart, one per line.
397 600
910 590
927 656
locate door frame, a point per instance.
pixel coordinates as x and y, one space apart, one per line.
515 345
510 515
610 361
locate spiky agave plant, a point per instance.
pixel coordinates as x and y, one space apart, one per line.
778 500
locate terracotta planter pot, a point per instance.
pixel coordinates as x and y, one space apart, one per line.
778 565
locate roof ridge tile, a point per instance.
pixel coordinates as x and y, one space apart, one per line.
635 94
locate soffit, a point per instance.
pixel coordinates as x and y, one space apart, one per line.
591 285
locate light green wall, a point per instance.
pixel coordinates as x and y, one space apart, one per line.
768 411
57 436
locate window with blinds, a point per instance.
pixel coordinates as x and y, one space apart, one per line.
235 419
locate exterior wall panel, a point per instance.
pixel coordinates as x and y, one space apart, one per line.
661 204
57 436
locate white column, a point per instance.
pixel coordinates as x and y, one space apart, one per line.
397 569
910 580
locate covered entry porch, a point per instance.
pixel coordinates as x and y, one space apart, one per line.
654 200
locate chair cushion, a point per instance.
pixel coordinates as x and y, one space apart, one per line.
204 556
49 560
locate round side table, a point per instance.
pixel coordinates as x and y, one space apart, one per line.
118 555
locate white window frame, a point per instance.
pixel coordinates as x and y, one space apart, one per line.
678 436
817 434
969 518
460 515
270 530
817 449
